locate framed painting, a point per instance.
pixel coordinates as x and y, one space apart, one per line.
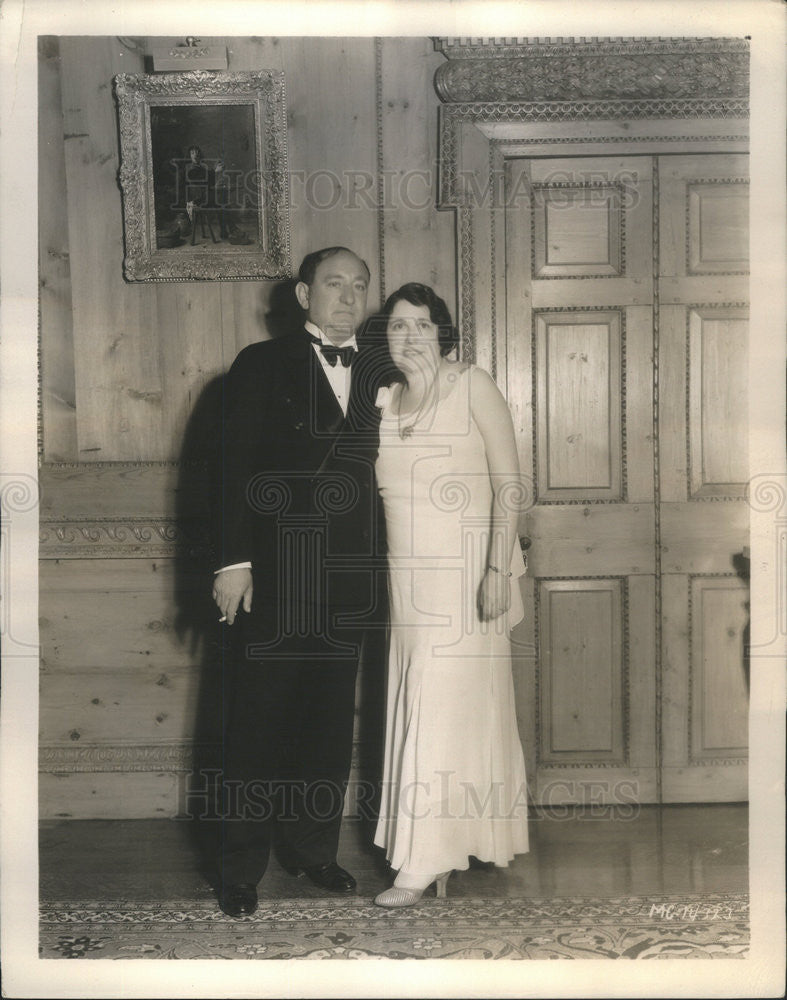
203 175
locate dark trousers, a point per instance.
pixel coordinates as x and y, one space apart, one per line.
287 746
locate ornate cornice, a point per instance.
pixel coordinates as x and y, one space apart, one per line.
513 69
470 48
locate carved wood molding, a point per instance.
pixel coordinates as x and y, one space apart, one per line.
174 757
380 163
54 759
458 188
111 538
119 464
574 70
459 47
684 139
658 638
122 510
467 322
452 186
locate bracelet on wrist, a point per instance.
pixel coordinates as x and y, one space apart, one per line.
496 570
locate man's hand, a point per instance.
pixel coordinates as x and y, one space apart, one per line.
230 587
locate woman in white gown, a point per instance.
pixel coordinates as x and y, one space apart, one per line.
454 776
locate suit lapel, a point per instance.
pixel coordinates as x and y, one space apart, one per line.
362 414
324 412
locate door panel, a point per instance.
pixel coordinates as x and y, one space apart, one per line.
578 392
703 438
578 307
717 688
631 590
582 710
577 230
718 225
718 375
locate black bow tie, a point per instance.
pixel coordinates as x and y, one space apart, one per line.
331 353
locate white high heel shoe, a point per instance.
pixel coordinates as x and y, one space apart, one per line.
399 896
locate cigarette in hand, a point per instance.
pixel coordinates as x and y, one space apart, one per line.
223 618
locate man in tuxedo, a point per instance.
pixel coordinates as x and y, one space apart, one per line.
298 537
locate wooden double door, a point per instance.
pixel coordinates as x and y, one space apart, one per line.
626 288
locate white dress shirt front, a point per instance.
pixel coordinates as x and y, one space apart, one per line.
338 375
339 378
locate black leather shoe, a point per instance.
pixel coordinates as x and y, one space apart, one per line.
331 877
238 900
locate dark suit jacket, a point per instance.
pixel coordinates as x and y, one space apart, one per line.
299 495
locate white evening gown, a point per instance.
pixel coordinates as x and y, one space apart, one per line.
454 772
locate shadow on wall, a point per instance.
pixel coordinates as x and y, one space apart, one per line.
741 562
284 313
197 625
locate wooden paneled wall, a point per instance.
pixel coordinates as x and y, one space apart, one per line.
131 676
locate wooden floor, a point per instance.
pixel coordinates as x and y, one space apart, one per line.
668 849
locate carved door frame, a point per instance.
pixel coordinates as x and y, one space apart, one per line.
626 96
588 98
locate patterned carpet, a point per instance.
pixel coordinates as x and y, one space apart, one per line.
633 927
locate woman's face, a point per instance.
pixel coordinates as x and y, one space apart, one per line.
412 340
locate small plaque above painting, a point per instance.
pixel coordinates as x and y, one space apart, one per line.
203 174
190 56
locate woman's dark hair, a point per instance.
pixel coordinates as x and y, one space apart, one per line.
422 295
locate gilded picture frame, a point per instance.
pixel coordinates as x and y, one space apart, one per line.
203 175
